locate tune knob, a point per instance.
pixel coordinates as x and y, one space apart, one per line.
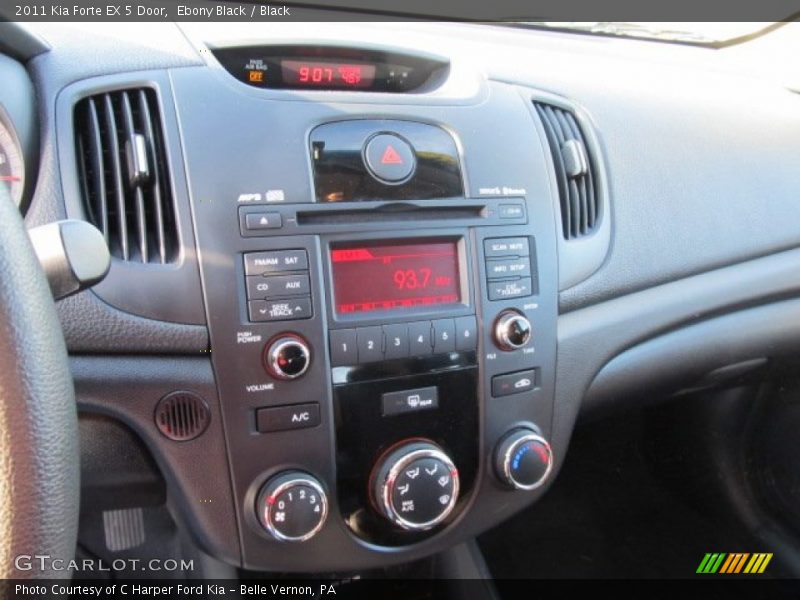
292 506
415 485
512 330
287 357
523 459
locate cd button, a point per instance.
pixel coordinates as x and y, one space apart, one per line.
275 287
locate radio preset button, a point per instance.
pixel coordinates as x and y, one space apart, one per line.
396 341
444 335
466 333
419 335
344 349
516 288
280 261
501 247
263 288
509 267
279 310
370 344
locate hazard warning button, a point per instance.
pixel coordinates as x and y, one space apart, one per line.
389 158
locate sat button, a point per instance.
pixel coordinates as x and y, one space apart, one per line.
389 158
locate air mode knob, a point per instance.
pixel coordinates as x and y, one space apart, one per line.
292 506
287 357
512 330
523 459
415 485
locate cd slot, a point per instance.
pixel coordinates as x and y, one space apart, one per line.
265 220
395 214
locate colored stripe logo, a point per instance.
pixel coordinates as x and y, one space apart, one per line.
734 563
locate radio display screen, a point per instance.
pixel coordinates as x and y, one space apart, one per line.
376 276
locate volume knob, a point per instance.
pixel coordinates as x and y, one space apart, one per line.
287 357
512 330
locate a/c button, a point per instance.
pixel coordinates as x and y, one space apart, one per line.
281 418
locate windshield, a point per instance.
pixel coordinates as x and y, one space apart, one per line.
687 32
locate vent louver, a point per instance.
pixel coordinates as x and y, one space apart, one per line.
577 185
122 165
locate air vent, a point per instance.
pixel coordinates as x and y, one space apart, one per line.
182 416
577 186
123 171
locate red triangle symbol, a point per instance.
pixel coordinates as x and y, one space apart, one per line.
391 157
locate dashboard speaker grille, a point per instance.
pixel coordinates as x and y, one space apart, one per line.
122 165
182 416
577 188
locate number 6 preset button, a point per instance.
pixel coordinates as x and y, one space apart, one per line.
370 344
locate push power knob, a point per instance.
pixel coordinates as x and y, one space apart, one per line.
287 357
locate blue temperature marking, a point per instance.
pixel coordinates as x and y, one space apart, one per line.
519 456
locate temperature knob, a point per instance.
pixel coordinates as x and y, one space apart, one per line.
415 485
512 330
287 357
292 506
523 459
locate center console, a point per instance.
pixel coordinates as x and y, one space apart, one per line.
380 283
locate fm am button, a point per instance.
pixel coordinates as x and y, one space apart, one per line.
390 159
282 418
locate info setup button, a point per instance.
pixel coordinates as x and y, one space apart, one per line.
405 401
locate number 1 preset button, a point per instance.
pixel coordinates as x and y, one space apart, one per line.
344 350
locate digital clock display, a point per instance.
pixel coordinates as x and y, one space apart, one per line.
324 74
388 276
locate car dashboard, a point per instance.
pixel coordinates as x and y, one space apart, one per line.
366 277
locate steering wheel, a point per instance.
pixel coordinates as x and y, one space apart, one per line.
39 460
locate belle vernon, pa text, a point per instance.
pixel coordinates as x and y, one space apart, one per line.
202 591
